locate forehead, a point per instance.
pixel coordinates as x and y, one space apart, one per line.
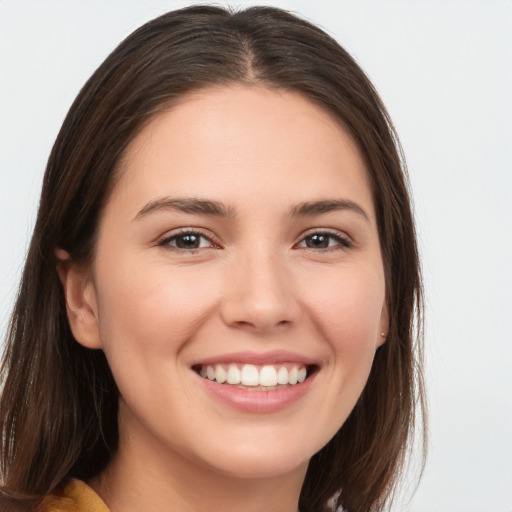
221 139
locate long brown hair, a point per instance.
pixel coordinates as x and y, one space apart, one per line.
58 413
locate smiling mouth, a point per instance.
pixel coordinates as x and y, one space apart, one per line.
256 377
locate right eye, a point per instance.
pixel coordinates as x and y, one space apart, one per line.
187 241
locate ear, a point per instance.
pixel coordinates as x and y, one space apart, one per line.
81 303
383 325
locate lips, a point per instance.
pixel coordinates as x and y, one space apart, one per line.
235 378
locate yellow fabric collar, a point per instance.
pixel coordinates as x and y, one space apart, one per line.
76 496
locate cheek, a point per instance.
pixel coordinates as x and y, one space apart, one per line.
347 306
150 311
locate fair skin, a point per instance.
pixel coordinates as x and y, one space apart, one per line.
241 233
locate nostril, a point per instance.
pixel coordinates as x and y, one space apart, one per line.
257 319
259 301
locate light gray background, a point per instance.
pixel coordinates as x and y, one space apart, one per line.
444 71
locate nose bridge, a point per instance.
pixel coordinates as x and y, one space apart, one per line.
260 292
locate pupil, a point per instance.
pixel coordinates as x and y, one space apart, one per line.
316 241
188 242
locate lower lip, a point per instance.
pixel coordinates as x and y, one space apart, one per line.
257 401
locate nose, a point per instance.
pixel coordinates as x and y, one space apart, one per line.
259 295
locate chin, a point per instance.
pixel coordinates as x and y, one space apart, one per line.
255 460
263 468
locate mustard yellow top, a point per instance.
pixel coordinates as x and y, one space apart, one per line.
76 496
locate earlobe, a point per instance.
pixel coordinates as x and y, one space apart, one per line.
81 304
384 325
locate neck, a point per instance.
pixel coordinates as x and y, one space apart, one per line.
145 477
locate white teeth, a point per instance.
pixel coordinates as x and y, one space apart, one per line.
267 376
250 375
233 374
282 375
220 374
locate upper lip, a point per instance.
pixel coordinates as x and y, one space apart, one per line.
257 358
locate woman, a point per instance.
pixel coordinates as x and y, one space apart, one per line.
217 304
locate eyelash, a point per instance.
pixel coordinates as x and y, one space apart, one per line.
341 241
167 241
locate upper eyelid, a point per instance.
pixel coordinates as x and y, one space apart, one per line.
328 231
346 241
170 235
215 241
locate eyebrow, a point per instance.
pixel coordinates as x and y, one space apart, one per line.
187 205
326 206
217 209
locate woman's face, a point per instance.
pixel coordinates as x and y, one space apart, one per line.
240 242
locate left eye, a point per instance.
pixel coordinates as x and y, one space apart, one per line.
187 241
324 241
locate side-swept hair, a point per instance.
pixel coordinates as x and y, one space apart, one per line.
58 412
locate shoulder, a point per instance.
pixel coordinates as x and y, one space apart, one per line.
75 496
